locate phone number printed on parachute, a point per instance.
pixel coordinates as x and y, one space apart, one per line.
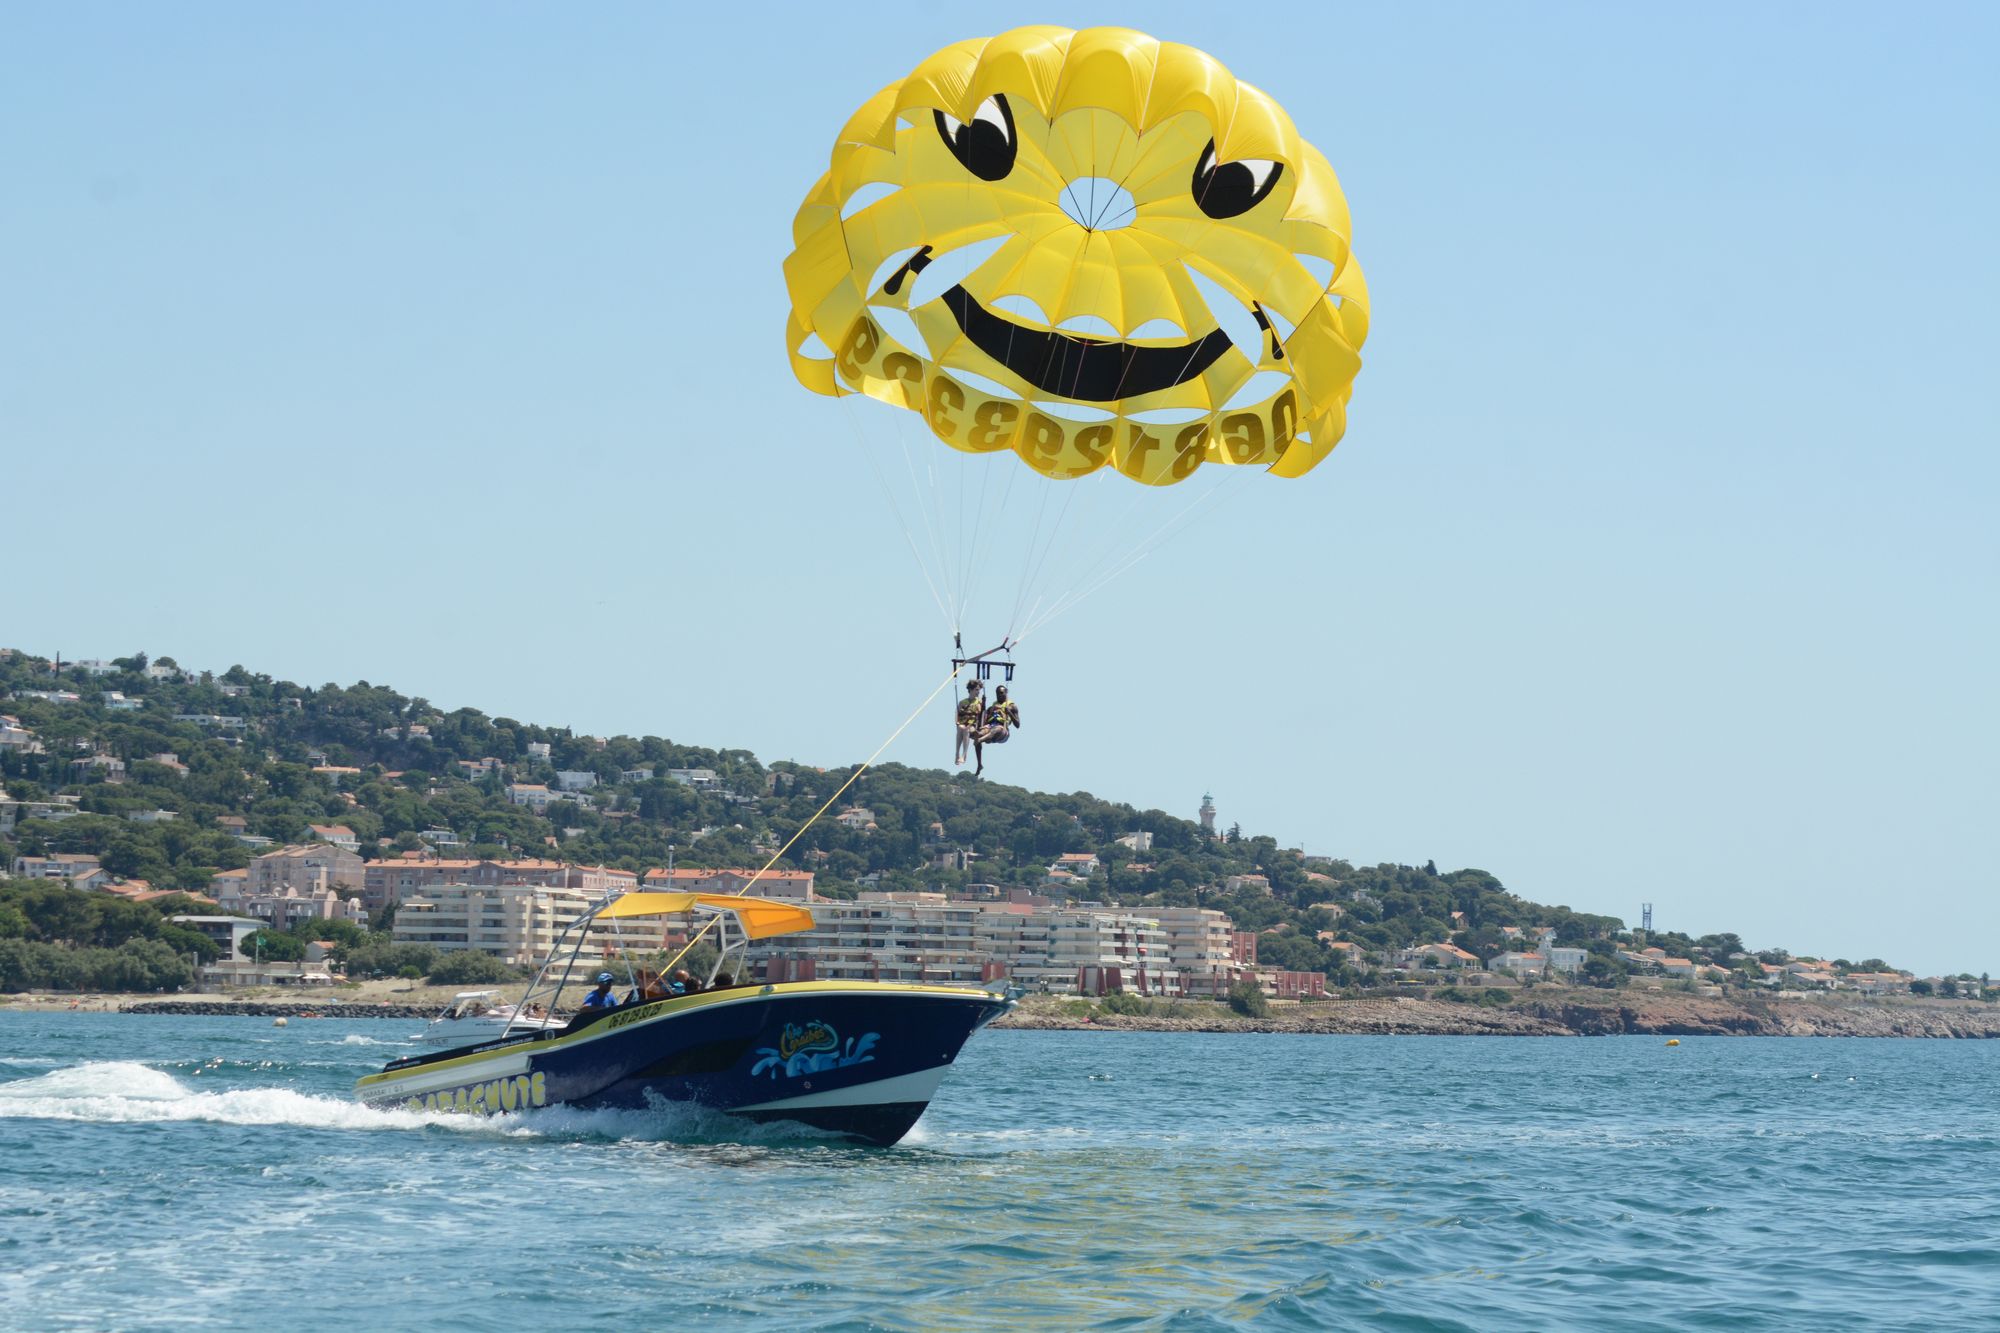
975 422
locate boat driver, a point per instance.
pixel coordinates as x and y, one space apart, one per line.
601 998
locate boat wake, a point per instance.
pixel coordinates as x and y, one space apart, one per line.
126 1092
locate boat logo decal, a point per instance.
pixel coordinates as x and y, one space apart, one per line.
489 1097
810 1048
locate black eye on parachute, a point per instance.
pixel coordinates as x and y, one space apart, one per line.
983 145
1232 188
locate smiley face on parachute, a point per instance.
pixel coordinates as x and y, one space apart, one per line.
1090 248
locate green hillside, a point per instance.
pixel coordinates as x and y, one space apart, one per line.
270 753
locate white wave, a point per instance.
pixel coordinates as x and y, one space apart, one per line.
121 1092
125 1092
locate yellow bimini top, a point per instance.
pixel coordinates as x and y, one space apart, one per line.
760 918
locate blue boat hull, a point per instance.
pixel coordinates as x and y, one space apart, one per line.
856 1058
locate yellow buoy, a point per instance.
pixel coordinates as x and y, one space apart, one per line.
1673 1041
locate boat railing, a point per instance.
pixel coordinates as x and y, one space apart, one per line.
577 934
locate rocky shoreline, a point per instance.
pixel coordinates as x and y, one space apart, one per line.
268 1009
1562 1014
1543 1012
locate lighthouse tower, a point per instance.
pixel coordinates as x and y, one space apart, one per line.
1207 814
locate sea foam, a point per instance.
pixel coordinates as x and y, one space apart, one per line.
126 1092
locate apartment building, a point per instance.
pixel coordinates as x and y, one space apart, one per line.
299 869
886 937
386 883
795 886
288 907
516 923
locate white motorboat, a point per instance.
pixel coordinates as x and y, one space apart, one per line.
481 1015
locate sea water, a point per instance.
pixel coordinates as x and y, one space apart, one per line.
162 1172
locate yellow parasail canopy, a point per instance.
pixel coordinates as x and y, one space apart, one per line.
1134 261
760 918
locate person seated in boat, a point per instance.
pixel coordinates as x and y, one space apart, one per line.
601 998
971 712
723 981
1002 718
684 984
653 986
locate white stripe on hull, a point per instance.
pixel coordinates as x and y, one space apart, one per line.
918 1087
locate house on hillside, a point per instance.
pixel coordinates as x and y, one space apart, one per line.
56 865
1436 955
1565 960
535 795
17 738
102 767
338 834
1518 963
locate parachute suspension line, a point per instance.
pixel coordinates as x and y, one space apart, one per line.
1032 567
1021 588
1108 551
861 444
1159 537
1033 581
958 534
927 511
985 533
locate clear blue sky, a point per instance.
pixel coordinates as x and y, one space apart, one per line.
440 346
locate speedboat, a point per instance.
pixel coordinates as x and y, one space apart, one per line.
860 1059
480 1015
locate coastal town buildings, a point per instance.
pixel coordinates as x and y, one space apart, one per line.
1089 949
516 923
787 885
287 906
57 865
1519 963
13 811
392 882
312 866
338 835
